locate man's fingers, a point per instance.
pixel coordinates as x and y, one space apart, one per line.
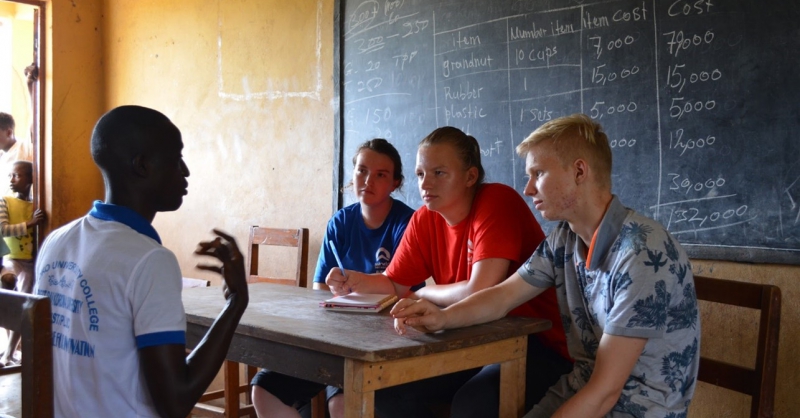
422 329
400 325
398 306
207 252
419 323
229 240
206 247
208 267
407 307
223 235
217 249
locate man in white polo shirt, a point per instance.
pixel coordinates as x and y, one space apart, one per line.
118 321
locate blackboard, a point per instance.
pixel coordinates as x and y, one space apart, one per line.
700 100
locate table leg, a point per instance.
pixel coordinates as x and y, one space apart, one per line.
512 386
357 402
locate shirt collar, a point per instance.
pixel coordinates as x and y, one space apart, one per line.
608 231
125 216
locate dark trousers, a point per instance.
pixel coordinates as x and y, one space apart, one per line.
480 397
472 393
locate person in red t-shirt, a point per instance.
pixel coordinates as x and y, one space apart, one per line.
467 237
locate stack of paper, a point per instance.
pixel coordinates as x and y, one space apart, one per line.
356 302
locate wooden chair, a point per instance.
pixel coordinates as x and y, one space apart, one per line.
233 388
758 382
284 238
30 316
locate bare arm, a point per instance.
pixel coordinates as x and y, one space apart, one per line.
32 76
483 306
616 357
7 229
485 273
362 283
176 381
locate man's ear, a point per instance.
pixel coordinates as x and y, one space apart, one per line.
139 166
581 168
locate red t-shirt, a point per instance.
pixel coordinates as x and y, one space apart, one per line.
499 225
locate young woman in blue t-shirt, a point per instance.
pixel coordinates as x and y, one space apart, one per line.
365 234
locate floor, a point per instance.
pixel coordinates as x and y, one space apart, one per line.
10 402
9 388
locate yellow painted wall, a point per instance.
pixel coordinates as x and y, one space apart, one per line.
249 83
254 103
74 100
21 54
22 57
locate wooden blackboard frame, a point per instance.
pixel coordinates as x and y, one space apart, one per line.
735 253
338 115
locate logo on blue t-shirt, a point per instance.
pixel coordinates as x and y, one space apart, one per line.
382 259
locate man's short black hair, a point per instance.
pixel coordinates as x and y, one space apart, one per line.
125 132
6 121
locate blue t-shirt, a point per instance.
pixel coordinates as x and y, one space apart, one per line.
362 249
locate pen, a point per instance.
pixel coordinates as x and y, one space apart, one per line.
336 255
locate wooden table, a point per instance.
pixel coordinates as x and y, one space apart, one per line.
285 330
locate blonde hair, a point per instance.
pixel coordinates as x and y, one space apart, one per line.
572 137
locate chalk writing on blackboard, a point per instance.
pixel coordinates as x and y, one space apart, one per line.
700 108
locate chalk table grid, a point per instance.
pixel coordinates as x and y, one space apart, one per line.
699 100
285 330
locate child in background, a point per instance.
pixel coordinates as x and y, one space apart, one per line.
17 219
11 148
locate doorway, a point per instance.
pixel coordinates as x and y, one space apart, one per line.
22 24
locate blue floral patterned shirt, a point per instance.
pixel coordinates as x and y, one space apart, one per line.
638 283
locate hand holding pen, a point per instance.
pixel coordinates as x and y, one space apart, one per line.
337 279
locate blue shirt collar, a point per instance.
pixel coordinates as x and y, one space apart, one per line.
126 216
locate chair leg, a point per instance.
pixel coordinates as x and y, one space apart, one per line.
231 389
250 374
318 405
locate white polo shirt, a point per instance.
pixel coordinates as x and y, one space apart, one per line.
114 289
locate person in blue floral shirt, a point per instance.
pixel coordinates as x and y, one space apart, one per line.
624 285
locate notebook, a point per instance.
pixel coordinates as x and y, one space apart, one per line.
356 302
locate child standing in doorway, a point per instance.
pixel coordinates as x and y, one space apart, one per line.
17 219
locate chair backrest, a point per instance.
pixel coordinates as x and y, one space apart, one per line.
30 316
758 382
297 238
